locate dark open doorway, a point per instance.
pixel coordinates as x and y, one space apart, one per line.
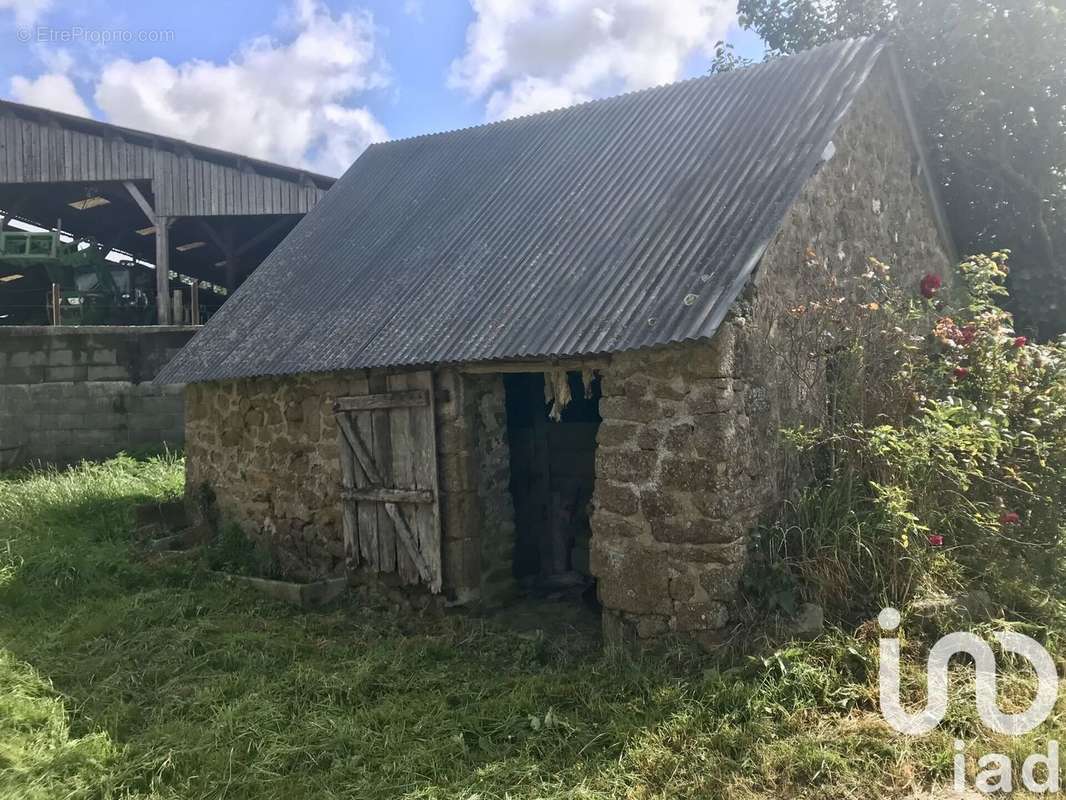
553 472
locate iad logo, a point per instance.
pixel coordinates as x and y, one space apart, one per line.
998 778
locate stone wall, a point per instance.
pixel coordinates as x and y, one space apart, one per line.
267 449
689 450
70 393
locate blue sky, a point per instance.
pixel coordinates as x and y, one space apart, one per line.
312 82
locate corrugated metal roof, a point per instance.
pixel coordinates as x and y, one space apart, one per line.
155 140
608 226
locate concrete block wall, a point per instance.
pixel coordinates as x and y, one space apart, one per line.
73 393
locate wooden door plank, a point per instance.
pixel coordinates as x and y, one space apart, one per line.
424 471
397 399
402 475
382 454
406 537
350 520
360 450
356 433
376 494
369 540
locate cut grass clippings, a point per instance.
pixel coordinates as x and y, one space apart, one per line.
123 676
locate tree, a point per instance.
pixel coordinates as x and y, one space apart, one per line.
988 78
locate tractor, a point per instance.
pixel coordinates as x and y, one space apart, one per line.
91 289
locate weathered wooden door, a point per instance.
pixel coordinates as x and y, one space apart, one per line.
389 478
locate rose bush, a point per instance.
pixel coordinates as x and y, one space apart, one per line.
942 460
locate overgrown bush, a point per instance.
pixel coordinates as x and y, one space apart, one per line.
942 461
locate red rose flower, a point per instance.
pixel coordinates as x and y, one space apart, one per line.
1009 518
930 285
967 334
936 540
961 372
1020 342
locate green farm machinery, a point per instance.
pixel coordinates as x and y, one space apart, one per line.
90 289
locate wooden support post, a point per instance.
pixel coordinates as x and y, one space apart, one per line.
162 252
177 308
162 269
57 314
195 303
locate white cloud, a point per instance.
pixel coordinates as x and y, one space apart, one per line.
287 100
52 90
26 12
282 101
524 56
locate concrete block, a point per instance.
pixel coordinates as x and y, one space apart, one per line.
66 422
63 374
23 375
14 397
42 452
21 424
31 358
104 357
60 358
106 422
106 388
110 373
47 435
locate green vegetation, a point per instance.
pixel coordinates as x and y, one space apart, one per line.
127 677
943 459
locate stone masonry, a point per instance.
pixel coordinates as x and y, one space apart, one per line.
70 393
267 450
689 452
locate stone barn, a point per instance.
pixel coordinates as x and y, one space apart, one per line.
552 347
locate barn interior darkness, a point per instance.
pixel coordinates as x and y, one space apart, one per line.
552 479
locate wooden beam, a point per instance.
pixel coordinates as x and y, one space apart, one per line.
369 402
162 269
263 235
57 317
140 199
378 494
362 453
403 533
225 247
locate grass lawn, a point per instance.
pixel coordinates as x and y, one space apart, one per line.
127 677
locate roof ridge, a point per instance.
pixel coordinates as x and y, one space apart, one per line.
761 65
